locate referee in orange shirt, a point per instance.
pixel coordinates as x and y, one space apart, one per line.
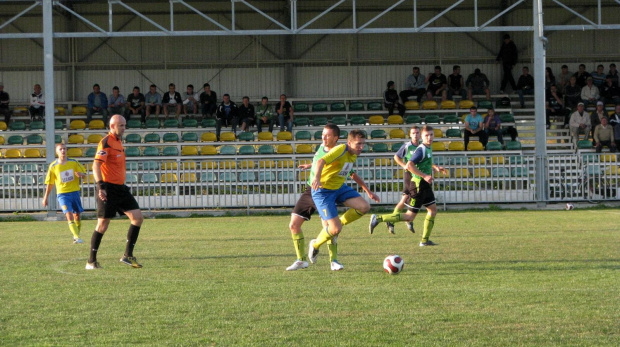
113 196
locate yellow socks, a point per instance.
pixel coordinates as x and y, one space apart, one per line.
429 223
74 230
78 223
323 237
350 216
332 247
300 246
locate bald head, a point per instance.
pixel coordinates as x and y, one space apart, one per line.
117 125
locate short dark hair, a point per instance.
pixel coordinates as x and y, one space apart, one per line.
356 133
437 67
96 85
612 65
206 85
284 95
115 88
333 127
171 85
427 128
153 86
390 83
582 65
600 65
416 68
227 95
265 98
415 127
136 87
246 97
190 86
564 67
455 67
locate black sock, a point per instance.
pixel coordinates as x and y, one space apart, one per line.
132 237
95 241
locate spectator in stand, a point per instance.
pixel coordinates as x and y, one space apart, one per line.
116 105
190 100
97 103
478 84
613 72
4 104
615 122
572 93
525 85
456 84
610 93
581 75
596 116
549 78
590 93
135 104
580 123
264 115
414 86
474 127
226 115
246 114
172 99
37 104
508 54
598 76
604 136
390 99
563 79
153 101
555 106
208 101
284 110
492 125
437 84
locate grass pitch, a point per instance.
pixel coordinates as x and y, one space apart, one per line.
502 278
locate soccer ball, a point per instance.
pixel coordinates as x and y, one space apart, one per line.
569 206
393 264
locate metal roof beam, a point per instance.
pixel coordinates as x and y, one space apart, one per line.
37 3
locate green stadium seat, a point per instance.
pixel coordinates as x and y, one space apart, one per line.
151 138
458 161
356 106
208 123
170 151
338 107
413 119
135 152
246 136
365 174
91 151
189 137
135 124
515 159
364 162
519 172
7 181
266 149
590 158
149 178
228 176
380 147
30 167
513 146
246 176
343 134
374 106
15 140
301 121
228 150
581 144
152 123
151 151
378 134
303 135
18 125
485 104
247 150
318 135
358 120
132 165
383 174
451 118
494 146
150 165
131 178
287 176
431 118
506 118
300 107
34 139
10 168
453 133
266 176
500 172
133 138
319 107
171 137
171 123
190 123
59 125
319 121
339 120
57 139
208 177
37 125
440 160
396 146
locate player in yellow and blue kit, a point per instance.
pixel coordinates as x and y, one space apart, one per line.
65 174
329 189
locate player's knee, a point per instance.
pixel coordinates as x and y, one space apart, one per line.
364 208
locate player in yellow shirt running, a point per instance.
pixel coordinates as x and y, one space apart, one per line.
65 174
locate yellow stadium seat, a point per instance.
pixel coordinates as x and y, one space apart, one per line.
481 173
286 163
284 136
188 165
412 105
94 138
189 177
189 150
376 120
438 146
265 136
399 174
88 166
1 140
227 136
208 137
75 152
448 105
441 174
247 164
303 149
497 160
208 150
438 133
20 109
478 160
60 110
76 139
463 117
608 158
429 105
77 124
169 178
612 170
456 146
397 134
266 164
32 153
304 175
96 124
466 104
461 173
79 110
13 153
304 161
395 119
169 165
3 126
475 146
383 161
284 149
208 164
227 164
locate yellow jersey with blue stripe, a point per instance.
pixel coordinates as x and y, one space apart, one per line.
63 175
338 165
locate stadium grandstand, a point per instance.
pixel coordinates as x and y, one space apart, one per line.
332 61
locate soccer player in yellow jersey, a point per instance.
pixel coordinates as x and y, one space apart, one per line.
329 189
65 173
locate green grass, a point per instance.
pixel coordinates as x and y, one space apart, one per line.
502 278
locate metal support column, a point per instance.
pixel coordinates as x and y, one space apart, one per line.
48 68
540 42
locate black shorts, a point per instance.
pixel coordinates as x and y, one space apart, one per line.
420 196
119 200
407 180
305 206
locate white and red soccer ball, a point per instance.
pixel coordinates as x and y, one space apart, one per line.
569 206
393 264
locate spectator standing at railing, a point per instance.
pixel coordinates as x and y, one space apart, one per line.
64 174
246 114
264 115
4 104
97 103
285 112
152 101
227 114
614 120
37 104
474 126
390 100
135 105
116 104
580 123
414 86
208 101
604 136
